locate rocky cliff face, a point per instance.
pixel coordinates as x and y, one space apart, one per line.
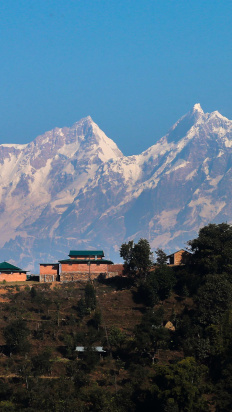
73 188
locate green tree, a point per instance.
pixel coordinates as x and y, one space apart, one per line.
75 372
213 299
181 385
223 389
116 337
33 292
127 253
165 280
161 257
96 320
81 308
69 342
90 358
7 406
24 371
150 334
16 334
90 296
137 257
41 363
148 291
212 250
97 399
157 285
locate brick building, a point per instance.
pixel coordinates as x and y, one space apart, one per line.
81 265
176 258
49 272
84 265
11 273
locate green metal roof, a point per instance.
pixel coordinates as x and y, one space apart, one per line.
50 264
98 262
86 253
7 267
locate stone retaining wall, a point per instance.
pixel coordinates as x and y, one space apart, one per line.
48 278
83 276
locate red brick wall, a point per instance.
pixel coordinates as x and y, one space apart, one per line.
116 269
49 269
13 277
83 267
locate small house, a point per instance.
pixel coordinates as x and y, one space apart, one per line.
176 258
97 349
94 348
11 273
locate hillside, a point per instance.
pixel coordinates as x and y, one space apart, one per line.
55 326
155 339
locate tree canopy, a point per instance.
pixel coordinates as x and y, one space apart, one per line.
161 257
213 299
137 257
212 249
16 334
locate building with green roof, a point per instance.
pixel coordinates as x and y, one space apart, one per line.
99 254
6 267
11 273
84 265
81 265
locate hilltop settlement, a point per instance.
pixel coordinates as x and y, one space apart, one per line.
82 265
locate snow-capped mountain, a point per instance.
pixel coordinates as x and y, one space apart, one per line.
73 188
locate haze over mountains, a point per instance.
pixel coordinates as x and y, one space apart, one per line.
72 188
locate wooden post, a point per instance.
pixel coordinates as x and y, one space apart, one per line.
89 269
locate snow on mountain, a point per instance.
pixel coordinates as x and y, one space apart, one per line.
73 188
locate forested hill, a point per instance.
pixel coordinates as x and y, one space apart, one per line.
157 339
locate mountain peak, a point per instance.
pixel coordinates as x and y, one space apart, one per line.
90 134
84 120
184 124
197 108
89 118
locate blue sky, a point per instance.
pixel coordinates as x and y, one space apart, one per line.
135 66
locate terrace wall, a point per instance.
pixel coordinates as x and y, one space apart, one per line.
49 278
81 276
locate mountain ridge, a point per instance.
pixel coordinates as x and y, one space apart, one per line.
73 188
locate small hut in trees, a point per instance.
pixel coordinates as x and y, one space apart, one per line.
176 258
